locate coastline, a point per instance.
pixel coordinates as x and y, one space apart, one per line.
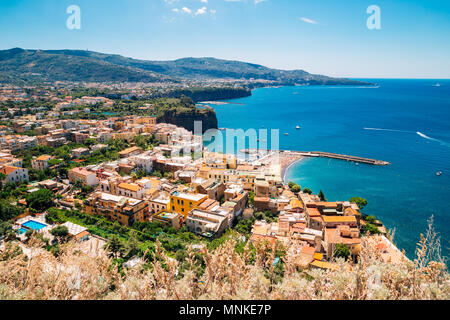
285 166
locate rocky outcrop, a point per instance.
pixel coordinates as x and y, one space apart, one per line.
185 118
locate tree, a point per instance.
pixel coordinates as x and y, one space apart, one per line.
40 200
341 251
361 202
6 230
60 232
9 211
370 228
322 196
294 187
52 216
307 190
114 246
132 246
2 178
251 198
89 142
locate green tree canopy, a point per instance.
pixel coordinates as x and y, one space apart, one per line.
322 196
361 202
341 251
60 232
40 200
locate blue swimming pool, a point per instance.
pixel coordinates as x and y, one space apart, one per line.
21 231
34 225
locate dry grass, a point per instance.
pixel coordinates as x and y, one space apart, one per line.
228 275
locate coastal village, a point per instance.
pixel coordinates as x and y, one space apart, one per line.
134 170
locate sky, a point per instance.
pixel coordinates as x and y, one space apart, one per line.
328 37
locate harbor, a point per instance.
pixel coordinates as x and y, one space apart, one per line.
321 154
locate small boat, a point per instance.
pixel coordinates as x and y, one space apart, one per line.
297 127
437 85
286 134
439 173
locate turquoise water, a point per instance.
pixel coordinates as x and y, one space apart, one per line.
34 225
21 231
405 122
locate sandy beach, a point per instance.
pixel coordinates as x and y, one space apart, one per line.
286 161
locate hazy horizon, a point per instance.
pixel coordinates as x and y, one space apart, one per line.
323 37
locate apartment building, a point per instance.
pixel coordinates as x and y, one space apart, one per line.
183 203
86 177
14 174
40 163
123 209
206 223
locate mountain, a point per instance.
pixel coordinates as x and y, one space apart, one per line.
19 65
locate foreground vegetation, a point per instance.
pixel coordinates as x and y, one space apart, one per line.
229 271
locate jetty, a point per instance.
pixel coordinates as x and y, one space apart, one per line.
320 154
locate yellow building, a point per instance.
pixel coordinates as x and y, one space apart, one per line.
116 208
133 151
126 136
183 203
145 120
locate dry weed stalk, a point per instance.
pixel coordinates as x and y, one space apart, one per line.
250 275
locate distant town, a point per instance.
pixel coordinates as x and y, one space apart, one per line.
106 181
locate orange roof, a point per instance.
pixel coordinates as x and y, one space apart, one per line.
313 212
324 265
260 237
352 211
318 256
308 250
339 219
295 203
43 158
129 150
81 171
327 204
131 187
7 170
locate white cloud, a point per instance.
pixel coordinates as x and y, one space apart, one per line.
201 11
255 1
204 1
186 10
308 20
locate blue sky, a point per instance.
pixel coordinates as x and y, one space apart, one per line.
320 36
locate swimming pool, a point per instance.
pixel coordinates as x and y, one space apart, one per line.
21 231
34 225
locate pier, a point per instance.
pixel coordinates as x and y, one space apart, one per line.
320 154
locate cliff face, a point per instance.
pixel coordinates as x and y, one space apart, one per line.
211 94
186 118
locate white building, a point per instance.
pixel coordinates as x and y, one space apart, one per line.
14 174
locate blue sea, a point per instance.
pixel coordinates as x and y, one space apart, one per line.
405 122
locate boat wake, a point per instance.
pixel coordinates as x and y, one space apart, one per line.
381 129
426 137
433 139
417 132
